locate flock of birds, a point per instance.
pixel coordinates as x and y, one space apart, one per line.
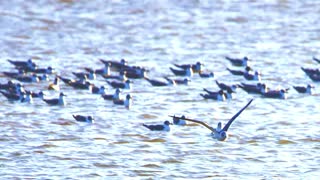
119 75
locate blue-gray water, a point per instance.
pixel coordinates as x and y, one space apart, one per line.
272 139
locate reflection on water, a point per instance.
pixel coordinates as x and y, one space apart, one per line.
275 138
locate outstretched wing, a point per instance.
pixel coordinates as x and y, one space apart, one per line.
196 121
226 127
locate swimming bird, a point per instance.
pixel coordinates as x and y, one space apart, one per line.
116 65
183 72
80 118
127 102
27 79
136 72
303 89
238 62
121 77
227 87
238 72
179 120
184 81
40 94
160 127
103 72
12 96
8 86
115 96
277 94
15 74
55 85
59 101
195 67
91 75
48 70
310 71
315 77
206 75
155 82
219 96
220 133
121 85
255 77
316 59
258 88
23 64
98 90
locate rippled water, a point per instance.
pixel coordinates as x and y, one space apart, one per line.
272 139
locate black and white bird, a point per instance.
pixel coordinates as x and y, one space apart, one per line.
197 67
126 102
239 62
220 133
276 94
115 96
121 85
80 118
206 75
159 127
155 82
98 90
58 101
219 95
179 120
183 72
303 89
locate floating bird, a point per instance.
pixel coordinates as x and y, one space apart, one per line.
136 73
227 87
55 85
195 67
315 77
115 96
12 96
28 79
121 85
206 75
311 72
15 74
80 118
48 70
184 81
184 72
218 133
103 72
91 75
178 120
219 96
239 62
154 82
302 89
121 77
59 101
7 86
127 102
98 90
116 65
40 94
255 77
160 127
23 64
239 73
277 94
258 88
